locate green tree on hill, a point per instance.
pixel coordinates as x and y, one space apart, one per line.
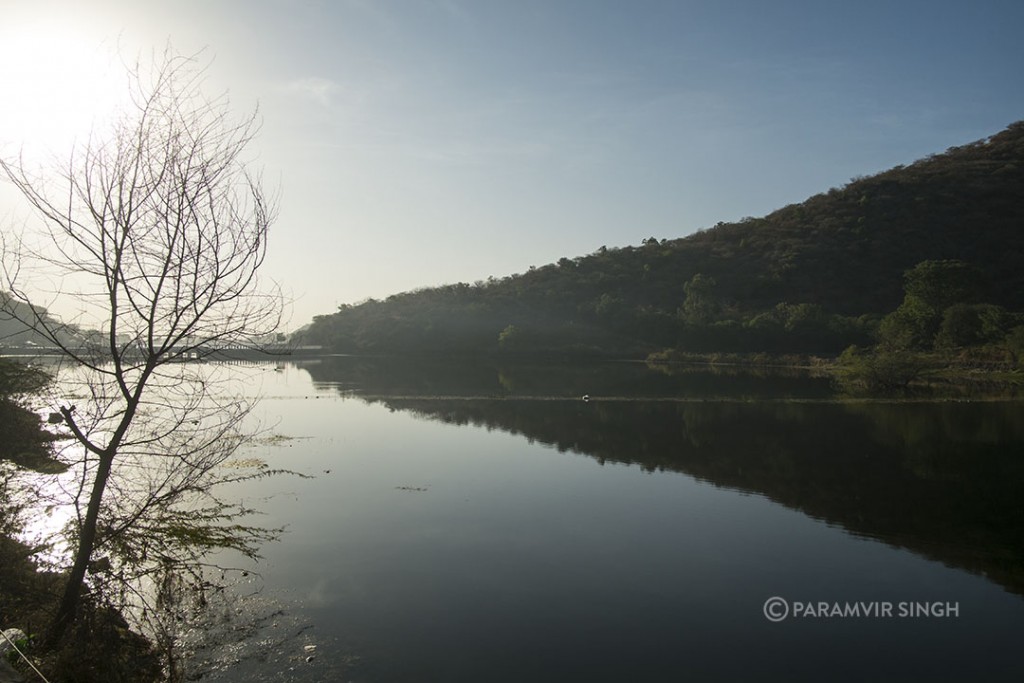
971 325
701 304
931 287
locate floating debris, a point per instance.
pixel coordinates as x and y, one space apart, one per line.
245 463
279 440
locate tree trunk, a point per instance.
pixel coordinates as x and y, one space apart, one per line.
86 541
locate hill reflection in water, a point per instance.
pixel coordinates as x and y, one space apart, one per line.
942 479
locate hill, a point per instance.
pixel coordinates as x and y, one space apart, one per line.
814 276
14 332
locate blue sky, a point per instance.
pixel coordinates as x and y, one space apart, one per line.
419 142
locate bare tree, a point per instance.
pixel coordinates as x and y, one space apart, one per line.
156 230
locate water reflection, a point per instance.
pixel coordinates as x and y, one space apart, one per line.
944 480
437 378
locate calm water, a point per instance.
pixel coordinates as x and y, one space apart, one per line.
486 524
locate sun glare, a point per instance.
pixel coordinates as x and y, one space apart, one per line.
57 86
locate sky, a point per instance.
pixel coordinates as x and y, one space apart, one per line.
422 142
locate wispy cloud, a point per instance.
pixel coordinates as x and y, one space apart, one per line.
320 90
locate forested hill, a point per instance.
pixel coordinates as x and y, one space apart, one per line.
807 277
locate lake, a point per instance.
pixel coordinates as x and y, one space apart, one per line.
485 523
